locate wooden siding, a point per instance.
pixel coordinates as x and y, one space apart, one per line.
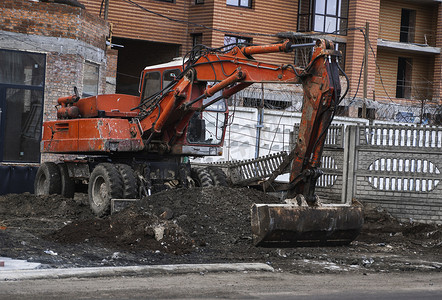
390 22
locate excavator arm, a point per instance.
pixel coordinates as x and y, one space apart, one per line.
166 114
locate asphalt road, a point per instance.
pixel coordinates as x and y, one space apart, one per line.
244 285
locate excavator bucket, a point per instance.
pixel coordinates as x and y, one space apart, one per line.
287 224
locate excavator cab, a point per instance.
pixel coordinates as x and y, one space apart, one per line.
205 132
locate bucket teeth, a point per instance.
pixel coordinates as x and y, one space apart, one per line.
300 225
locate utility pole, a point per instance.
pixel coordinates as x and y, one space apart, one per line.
366 43
260 122
106 9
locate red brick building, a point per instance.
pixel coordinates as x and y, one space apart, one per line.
46 48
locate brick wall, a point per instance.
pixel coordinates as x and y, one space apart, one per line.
437 94
131 22
68 36
49 19
267 17
360 12
390 23
422 76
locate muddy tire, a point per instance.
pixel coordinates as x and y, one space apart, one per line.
202 177
105 184
47 180
130 186
219 178
67 184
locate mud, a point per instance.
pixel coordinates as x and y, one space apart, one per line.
200 225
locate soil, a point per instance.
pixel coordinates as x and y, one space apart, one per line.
199 225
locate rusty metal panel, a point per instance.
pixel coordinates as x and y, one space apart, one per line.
91 135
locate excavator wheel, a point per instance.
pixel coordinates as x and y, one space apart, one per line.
218 176
47 180
67 184
130 186
105 183
202 177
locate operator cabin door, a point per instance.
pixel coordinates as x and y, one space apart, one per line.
21 105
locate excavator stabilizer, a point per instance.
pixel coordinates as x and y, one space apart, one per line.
289 224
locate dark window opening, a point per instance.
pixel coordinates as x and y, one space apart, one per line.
342 111
403 83
370 113
240 3
199 1
197 39
329 16
146 54
408 22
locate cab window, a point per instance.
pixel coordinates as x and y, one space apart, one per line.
169 76
151 84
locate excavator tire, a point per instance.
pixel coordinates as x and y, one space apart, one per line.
218 176
130 186
105 184
202 177
47 180
67 184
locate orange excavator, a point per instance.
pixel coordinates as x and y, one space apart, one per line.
125 147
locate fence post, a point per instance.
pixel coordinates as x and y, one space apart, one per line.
349 164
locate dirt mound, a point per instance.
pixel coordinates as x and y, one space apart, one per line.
200 225
173 221
213 216
129 230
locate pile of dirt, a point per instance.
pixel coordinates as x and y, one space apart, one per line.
199 225
186 219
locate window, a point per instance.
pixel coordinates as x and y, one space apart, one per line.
22 77
240 3
90 79
408 21
169 76
199 1
232 40
323 16
370 113
171 1
197 39
152 84
403 83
